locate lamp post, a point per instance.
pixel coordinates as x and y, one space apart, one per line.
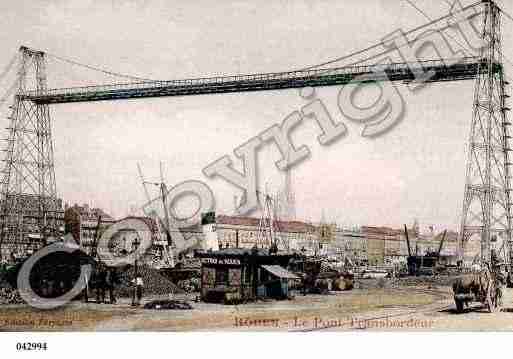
135 245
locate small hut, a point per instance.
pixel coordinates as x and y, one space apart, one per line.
234 275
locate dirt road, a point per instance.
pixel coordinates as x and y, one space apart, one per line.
408 308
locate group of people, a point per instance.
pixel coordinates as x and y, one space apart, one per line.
105 280
102 280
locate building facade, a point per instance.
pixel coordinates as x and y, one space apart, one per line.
350 244
387 246
82 222
244 232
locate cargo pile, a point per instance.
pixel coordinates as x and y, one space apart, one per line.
154 282
8 295
436 281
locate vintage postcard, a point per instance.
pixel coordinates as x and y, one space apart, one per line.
256 166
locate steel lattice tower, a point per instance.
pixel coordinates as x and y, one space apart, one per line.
487 199
29 201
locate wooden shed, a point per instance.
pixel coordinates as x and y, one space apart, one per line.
234 275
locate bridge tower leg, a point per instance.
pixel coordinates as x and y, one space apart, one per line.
29 204
487 199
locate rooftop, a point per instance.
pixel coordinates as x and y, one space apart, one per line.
238 252
283 226
91 213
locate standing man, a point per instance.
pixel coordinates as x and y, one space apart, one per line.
110 282
137 281
86 290
100 284
138 290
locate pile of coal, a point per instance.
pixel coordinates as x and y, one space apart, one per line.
154 283
9 295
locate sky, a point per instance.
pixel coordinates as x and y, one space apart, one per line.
417 170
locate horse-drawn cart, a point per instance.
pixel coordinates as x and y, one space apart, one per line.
484 286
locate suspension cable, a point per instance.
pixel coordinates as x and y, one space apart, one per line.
380 43
361 61
9 66
94 68
7 93
429 18
506 13
452 37
383 53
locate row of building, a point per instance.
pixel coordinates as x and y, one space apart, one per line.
365 245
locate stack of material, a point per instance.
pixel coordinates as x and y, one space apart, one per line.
8 295
413 281
154 282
